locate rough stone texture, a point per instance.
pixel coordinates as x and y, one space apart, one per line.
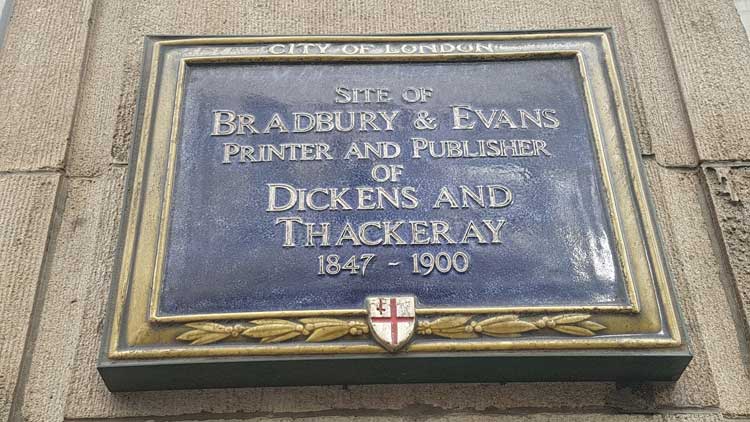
670 188
685 224
712 58
656 106
486 417
88 222
27 204
41 66
685 87
730 196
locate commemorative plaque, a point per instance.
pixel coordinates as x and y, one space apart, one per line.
426 208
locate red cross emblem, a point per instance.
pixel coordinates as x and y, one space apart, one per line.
392 320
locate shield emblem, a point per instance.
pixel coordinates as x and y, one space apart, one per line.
392 320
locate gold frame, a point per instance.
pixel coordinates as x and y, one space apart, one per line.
655 324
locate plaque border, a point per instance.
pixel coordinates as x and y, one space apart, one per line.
608 194
146 341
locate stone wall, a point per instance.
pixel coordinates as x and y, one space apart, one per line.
70 72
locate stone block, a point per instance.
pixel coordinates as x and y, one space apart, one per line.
81 254
729 187
688 233
26 214
41 62
711 53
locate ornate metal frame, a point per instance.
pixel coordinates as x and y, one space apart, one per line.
137 332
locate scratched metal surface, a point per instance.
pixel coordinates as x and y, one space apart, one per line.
224 252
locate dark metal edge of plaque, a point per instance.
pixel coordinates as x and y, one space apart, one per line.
657 364
529 366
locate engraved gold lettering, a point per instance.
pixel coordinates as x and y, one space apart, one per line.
445 196
475 196
337 121
389 229
472 232
223 118
409 194
364 198
230 150
507 196
276 123
460 114
549 115
388 117
288 229
299 127
494 229
367 118
441 229
348 233
323 234
273 205
309 200
418 233
363 228
536 118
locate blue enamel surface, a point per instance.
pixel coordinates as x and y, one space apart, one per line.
224 251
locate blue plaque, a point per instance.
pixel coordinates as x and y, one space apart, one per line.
401 203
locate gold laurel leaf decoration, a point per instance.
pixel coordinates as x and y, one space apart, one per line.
449 322
493 320
205 333
331 329
455 333
570 318
507 327
199 337
191 335
328 333
270 330
573 330
327 329
593 326
449 327
210 338
280 338
275 330
454 327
